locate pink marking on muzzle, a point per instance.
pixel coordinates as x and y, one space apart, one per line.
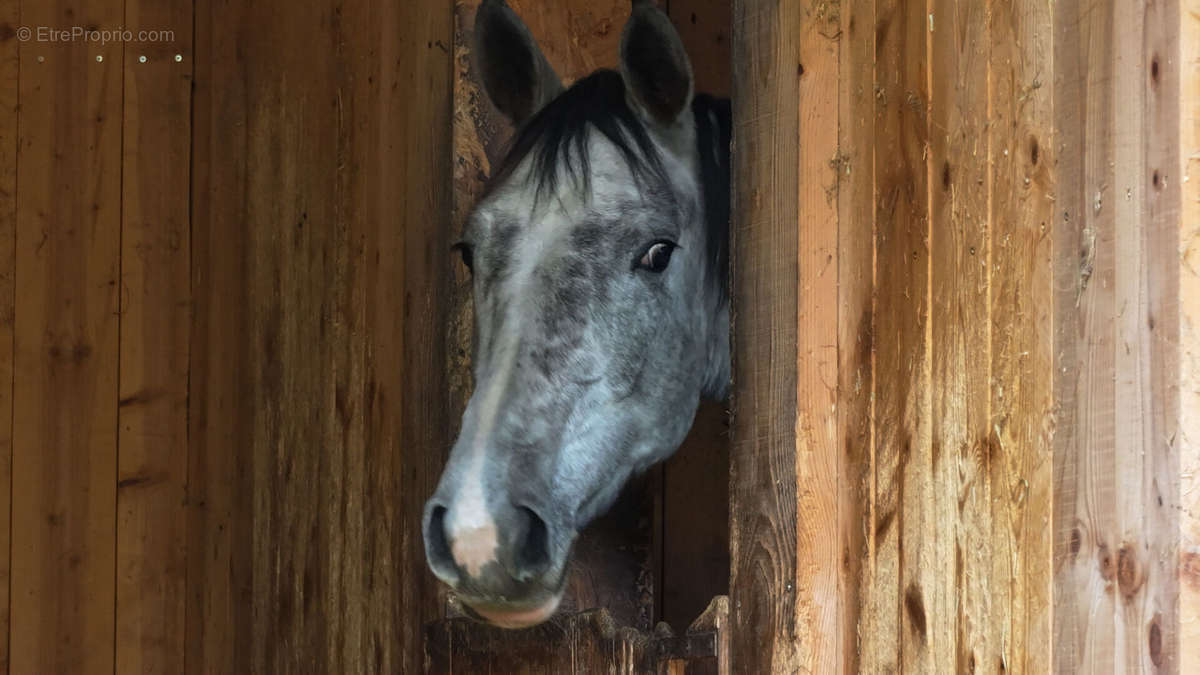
475 547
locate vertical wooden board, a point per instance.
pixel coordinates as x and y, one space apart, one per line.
819 472
318 340
220 413
1082 238
1188 73
1023 144
1146 335
155 313
854 165
695 541
766 272
1153 631
1133 402
908 630
409 402
291 223
9 65
64 449
960 224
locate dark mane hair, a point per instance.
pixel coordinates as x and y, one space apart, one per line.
556 137
556 140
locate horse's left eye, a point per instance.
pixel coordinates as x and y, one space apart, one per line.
657 257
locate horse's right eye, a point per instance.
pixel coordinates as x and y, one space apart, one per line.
464 249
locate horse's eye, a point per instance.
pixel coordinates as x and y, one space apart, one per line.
464 249
657 257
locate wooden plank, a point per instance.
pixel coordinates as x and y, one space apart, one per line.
959 194
1187 57
66 348
219 484
819 469
1085 505
323 393
1021 406
766 271
151 536
855 168
907 625
1150 588
1146 335
9 71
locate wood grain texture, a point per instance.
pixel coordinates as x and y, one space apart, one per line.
587 642
66 345
855 171
151 535
1117 330
219 487
9 71
766 271
1023 150
1084 455
819 468
964 469
908 551
319 338
1151 589
1188 58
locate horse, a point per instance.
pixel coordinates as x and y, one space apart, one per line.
598 255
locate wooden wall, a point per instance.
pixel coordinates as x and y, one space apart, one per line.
966 347
957 415
224 282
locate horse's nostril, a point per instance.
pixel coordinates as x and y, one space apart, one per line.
533 554
441 560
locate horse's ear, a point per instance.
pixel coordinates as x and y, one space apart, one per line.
655 65
516 75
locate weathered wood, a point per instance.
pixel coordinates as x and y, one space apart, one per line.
908 550
65 356
855 172
1186 55
959 192
766 269
586 642
819 467
319 346
9 71
219 489
151 536
1084 506
1022 156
